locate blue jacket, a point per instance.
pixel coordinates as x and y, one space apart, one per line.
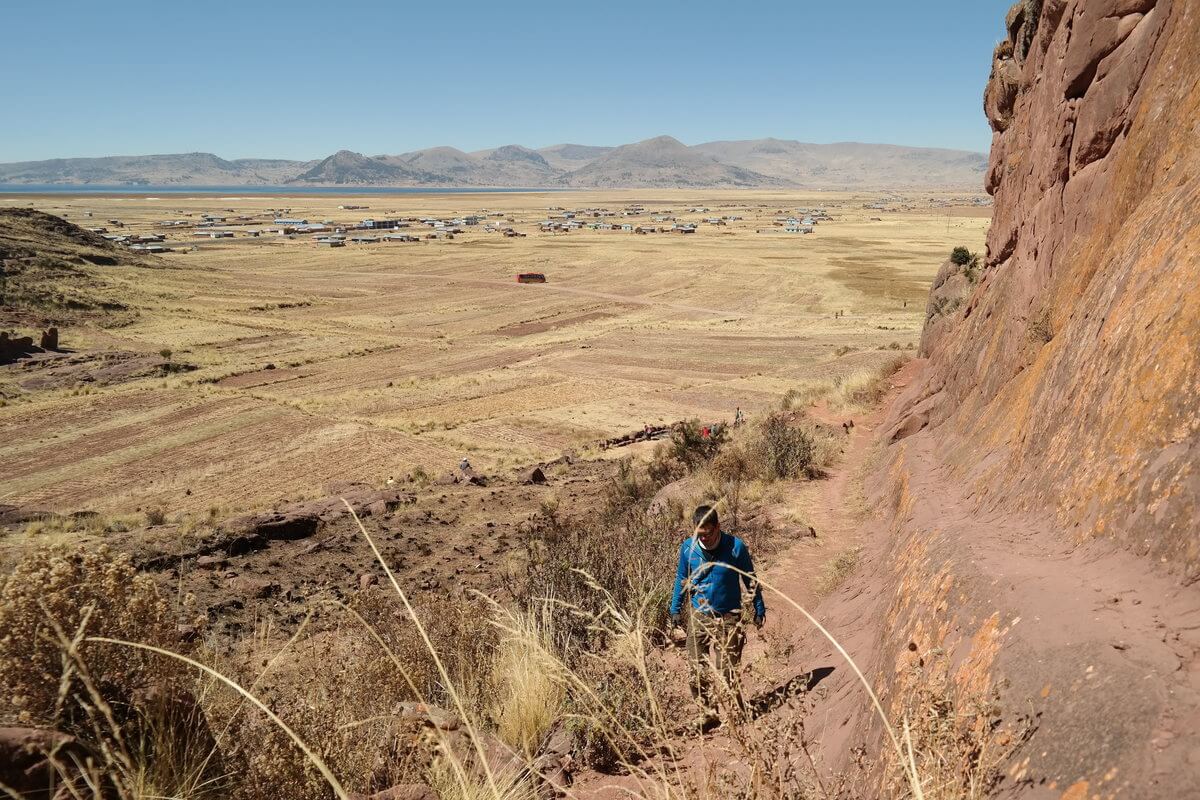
714 587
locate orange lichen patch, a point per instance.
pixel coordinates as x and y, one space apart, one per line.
1076 791
974 675
1071 387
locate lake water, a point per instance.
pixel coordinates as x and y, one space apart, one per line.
152 189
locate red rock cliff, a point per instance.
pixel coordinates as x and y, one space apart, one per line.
1071 382
1038 544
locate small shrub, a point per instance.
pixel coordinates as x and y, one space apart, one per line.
132 708
691 448
971 271
960 256
781 449
629 487
165 353
627 551
663 468
55 586
155 516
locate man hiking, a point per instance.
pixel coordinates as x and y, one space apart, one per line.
709 561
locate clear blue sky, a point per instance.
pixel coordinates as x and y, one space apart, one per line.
302 79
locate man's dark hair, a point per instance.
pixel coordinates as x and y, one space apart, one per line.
704 515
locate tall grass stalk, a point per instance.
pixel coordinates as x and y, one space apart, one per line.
260 705
451 690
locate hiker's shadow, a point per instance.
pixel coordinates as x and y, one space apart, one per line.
772 699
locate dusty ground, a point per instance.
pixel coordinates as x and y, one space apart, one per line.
390 356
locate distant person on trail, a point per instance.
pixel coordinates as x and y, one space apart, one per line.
464 465
708 573
737 417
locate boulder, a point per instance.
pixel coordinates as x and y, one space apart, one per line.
401 791
240 545
427 714
23 764
277 525
50 339
535 475
12 348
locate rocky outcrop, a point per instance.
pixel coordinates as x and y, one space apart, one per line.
1070 381
1039 546
951 287
302 520
14 347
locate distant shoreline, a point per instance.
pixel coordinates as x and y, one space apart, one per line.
254 189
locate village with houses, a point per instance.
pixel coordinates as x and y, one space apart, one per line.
189 230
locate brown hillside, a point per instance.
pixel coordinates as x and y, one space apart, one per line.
1035 565
52 271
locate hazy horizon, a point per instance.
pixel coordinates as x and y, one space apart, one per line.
320 156
302 83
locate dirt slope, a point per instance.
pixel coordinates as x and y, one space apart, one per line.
1038 541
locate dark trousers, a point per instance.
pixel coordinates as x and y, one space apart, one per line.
714 645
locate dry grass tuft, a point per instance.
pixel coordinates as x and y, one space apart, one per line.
956 740
529 691
838 570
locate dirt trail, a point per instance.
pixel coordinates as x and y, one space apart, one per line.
1074 637
834 507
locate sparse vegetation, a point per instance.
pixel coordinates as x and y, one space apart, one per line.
866 388
693 445
578 648
959 742
1040 331
970 262
781 449
838 569
529 695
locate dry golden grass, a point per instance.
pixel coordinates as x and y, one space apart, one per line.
529 693
317 715
391 356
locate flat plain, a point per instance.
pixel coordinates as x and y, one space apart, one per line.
315 364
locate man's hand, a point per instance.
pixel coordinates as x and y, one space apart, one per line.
759 620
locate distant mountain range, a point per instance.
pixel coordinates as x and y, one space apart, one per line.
662 162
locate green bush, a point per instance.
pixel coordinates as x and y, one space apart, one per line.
961 256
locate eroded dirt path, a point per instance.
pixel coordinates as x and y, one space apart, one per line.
833 506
